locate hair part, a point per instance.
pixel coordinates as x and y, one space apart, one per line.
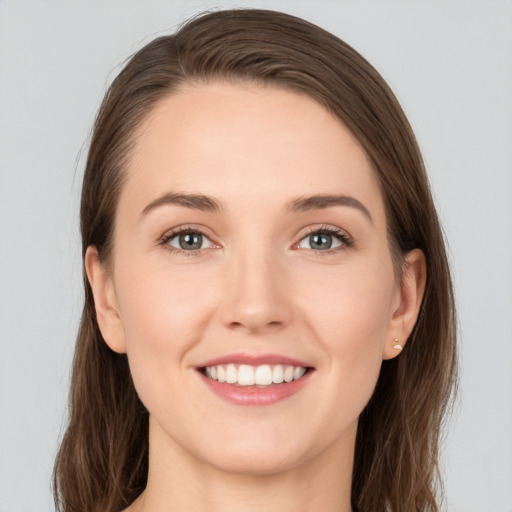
102 463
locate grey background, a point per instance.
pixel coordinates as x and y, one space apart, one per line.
450 64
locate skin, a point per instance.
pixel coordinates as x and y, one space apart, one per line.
256 287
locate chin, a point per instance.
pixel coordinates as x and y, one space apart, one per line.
257 462
260 449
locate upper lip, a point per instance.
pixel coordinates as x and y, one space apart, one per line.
254 360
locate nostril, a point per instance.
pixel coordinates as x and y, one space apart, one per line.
253 326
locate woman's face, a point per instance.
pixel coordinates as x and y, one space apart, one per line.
250 237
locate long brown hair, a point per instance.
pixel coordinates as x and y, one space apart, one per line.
102 464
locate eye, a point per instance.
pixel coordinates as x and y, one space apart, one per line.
319 242
325 239
188 240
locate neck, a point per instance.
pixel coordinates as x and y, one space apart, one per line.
179 481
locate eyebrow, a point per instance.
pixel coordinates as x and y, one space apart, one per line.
318 202
301 204
194 201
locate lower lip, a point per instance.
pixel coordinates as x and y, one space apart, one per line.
253 395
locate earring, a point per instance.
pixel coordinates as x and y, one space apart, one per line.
396 345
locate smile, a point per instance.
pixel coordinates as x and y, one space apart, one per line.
255 380
247 375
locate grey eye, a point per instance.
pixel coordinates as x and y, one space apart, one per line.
189 241
320 242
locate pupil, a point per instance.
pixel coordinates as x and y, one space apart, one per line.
320 241
191 241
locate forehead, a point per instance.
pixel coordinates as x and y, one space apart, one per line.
243 142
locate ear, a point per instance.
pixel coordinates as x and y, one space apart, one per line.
407 303
105 302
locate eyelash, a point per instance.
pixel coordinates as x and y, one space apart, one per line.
175 232
346 240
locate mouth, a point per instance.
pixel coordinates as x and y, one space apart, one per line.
263 380
262 376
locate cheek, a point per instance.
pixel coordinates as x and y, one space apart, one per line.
351 308
159 305
162 314
350 315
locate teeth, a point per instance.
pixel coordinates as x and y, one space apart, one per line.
231 374
298 372
246 375
277 374
263 375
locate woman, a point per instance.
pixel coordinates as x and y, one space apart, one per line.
269 318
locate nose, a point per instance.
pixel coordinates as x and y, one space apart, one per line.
256 295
